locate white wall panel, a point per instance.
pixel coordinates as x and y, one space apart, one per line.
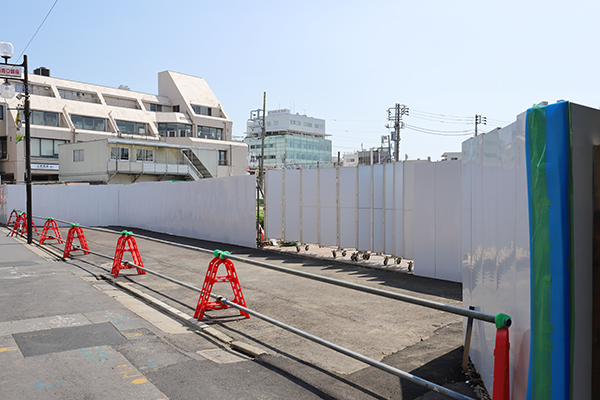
378 200
408 207
274 204
310 202
348 207
348 224
292 189
448 261
389 200
328 207
310 230
424 213
364 229
364 186
220 209
495 245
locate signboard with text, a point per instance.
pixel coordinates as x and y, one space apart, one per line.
53 167
10 71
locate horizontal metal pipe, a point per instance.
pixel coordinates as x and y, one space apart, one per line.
367 360
379 292
147 270
385 293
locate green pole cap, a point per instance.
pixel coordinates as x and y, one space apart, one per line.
221 254
74 224
49 219
124 233
503 321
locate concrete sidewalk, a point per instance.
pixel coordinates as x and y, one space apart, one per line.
66 335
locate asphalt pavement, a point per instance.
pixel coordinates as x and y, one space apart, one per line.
69 330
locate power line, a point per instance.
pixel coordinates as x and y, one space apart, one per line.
439 132
38 29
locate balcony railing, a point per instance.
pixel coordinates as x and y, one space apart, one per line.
147 167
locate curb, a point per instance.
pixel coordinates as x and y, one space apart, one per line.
247 349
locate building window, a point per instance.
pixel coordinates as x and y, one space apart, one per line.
156 107
268 123
1 112
136 128
201 110
319 126
206 132
3 150
46 148
44 118
275 123
119 153
308 124
222 157
175 130
78 96
65 94
78 155
176 108
19 87
144 155
89 123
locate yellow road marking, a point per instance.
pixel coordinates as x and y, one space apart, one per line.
139 381
134 334
3 349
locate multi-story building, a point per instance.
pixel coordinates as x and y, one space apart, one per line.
184 120
291 140
372 156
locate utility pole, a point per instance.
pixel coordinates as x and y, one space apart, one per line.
479 120
256 118
262 146
395 114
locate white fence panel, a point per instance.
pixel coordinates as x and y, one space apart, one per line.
495 241
219 209
274 223
348 207
310 205
293 217
447 221
328 207
424 213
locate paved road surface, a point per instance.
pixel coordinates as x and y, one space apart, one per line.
171 360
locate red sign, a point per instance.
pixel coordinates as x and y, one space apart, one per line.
10 71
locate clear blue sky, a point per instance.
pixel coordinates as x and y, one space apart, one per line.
344 61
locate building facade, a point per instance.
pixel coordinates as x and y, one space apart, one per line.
291 140
185 113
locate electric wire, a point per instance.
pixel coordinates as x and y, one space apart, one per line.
38 29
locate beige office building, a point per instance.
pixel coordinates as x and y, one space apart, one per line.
182 133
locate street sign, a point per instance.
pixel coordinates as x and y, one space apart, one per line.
10 71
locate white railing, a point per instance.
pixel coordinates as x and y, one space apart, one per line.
147 167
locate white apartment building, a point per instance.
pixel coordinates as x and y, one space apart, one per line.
184 117
291 140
